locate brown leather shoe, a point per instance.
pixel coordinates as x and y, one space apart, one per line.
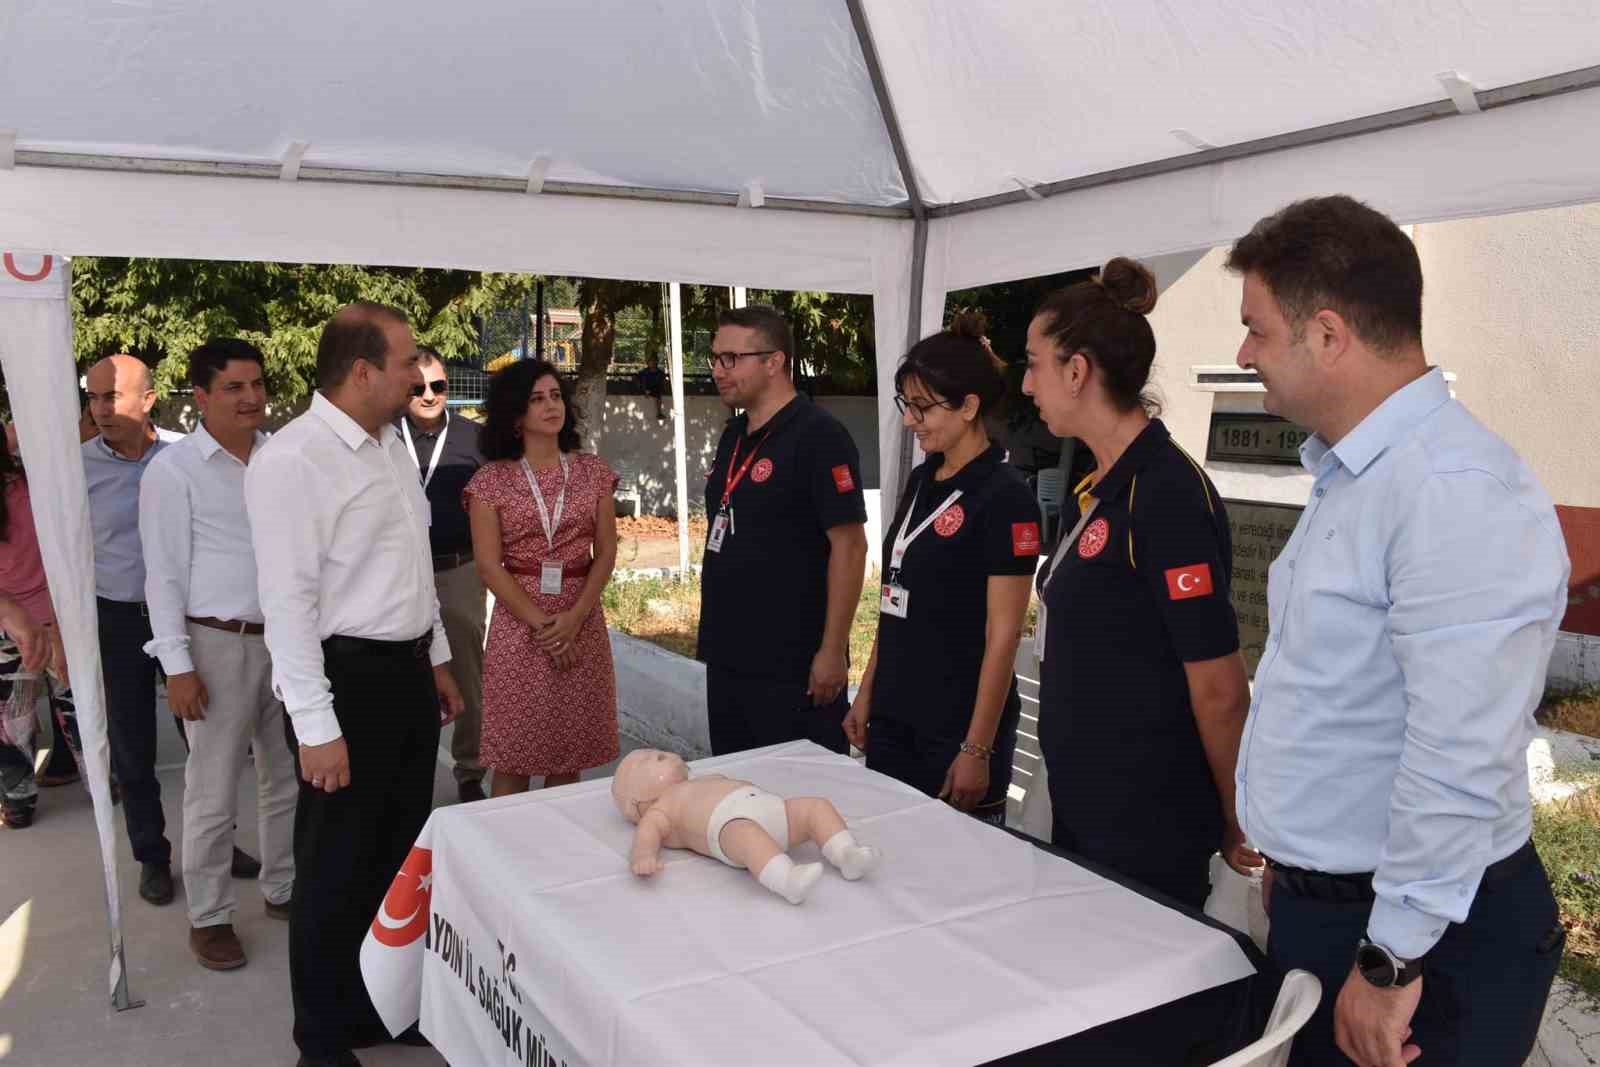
277 911
216 947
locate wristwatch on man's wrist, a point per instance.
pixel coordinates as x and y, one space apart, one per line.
1383 968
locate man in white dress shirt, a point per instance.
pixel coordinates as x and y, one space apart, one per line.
205 614
359 657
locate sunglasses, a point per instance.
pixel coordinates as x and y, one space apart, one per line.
437 387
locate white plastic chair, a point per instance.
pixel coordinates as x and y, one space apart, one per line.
1297 999
628 488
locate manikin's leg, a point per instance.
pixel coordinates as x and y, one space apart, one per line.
816 819
744 842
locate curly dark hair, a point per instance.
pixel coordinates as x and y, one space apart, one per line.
509 392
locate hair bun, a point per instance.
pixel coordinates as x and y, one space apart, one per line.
969 322
1130 284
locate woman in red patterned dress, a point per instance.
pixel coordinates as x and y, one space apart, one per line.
544 534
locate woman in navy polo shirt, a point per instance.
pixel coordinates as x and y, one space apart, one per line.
1142 690
939 693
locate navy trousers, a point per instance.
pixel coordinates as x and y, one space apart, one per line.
1484 985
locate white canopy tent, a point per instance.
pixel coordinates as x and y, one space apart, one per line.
867 146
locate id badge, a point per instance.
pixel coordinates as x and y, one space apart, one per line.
719 530
1038 636
550 577
896 601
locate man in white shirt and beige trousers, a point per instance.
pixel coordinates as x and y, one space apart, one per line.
359 656
206 626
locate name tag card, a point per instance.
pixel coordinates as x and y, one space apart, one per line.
550 577
719 530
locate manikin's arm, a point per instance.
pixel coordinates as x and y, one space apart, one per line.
654 828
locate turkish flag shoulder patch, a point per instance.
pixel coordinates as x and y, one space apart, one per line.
1024 539
1184 583
841 478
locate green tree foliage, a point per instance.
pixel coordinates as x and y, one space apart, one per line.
161 309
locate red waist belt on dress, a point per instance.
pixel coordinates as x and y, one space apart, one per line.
571 570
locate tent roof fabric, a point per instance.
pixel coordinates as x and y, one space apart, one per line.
710 96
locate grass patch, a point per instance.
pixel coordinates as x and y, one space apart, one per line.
1574 710
667 613
1567 835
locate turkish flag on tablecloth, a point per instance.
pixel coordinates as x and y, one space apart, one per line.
392 953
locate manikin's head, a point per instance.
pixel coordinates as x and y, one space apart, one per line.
641 778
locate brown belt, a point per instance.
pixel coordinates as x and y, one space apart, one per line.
571 570
229 625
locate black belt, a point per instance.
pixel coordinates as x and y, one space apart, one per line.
129 606
414 648
1357 888
449 561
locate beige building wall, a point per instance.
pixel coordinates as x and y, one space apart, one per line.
1511 305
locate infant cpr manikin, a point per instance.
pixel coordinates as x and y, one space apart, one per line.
732 821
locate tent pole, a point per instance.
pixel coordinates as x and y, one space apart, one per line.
919 215
679 430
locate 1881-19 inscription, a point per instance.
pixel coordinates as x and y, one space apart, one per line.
1259 533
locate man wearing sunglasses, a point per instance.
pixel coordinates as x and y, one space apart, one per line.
785 552
444 446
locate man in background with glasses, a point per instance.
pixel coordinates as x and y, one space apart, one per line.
444 446
786 548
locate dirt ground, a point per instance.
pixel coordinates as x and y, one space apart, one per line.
651 541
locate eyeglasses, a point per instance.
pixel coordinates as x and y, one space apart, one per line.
920 410
727 360
438 387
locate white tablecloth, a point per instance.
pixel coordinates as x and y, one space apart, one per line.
965 944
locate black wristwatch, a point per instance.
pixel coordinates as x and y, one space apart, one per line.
1383 968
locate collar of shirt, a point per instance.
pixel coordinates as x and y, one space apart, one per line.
209 446
163 438
417 431
780 418
968 478
1132 461
1388 423
348 429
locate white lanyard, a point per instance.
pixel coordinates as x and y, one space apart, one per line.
550 525
902 540
1050 571
1066 543
438 447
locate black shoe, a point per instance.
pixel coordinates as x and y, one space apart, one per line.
19 817
342 1059
469 791
155 883
244 864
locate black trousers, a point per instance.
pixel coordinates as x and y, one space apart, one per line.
1484 984
749 711
349 844
921 759
130 677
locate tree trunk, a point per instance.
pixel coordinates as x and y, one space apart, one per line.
598 302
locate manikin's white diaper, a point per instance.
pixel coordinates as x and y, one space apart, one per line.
748 802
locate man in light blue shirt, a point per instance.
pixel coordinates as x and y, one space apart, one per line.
1412 615
121 397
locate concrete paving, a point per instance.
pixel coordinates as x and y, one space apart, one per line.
54 1009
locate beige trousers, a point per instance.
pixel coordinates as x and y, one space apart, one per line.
463 607
241 715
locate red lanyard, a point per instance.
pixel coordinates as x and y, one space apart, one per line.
735 477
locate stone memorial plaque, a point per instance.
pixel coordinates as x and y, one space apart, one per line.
1259 533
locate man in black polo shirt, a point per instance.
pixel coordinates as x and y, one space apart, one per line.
785 552
445 449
